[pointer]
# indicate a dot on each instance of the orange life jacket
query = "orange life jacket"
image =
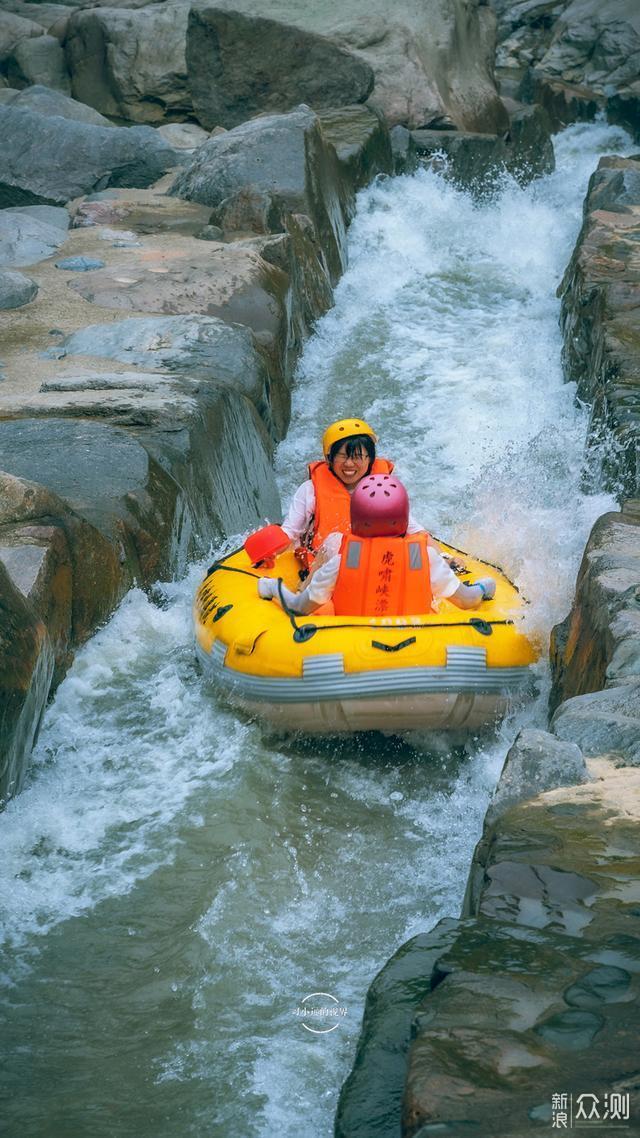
(383, 576)
(333, 501)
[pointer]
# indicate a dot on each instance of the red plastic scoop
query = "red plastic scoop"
(263, 546)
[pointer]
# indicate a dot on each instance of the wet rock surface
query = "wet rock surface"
(107, 477)
(540, 992)
(371, 1098)
(598, 645)
(536, 761)
(59, 578)
(600, 318)
(576, 57)
(476, 160)
(534, 991)
(26, 670)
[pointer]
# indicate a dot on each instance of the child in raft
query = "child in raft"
(358, 579)
(321, 505)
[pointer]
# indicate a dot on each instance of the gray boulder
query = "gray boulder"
(615, 186)
(241, 64)
(131, 63)
(469, 159)
(266, 155)
(14, 29)
(107, 478)
(600, 310)
(46, 101)
(525, 151)
(39, 60)
(16, 290)
(64, 567)
(530, 152)
(432, 63)
(576, 57)
(403, 149)
(598, 644)
(267, 168)
(183, 135)
(596, 45)
(41, 165)
(603, 722)
(45, 14)
(50, 214)
(25, 240)
(361, 140)
(536, 761)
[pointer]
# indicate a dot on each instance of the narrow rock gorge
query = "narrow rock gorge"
(218, 228)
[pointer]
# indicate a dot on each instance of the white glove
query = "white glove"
(489, 587)
(268, 588)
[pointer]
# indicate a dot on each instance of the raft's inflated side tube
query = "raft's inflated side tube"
(330, 674)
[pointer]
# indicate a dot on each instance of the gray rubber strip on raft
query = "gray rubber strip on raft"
(324, 678)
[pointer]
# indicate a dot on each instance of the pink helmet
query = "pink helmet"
(379, 507)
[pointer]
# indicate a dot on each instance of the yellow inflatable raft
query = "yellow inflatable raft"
(331, 674)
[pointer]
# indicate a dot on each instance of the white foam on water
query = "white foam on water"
(445, 336)
(128, 741)
(323, 861)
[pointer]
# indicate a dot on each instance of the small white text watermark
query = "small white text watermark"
(320, 1012)
(570, 1112)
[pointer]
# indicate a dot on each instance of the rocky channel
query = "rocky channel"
(175, 193)
(471, 1025)
(159, 275)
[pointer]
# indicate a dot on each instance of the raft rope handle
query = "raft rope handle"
(222, 611)
(286, 607)
(378, 627)
(393, 647)
(230, 569)
(397, 627)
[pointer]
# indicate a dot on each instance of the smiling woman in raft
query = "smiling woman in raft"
(378, 567)
(322, 504)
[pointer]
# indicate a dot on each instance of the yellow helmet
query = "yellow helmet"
(343, 429)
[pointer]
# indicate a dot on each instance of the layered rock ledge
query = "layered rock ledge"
(575, 57)
(535, 990)
(147, 356)
(225, 62)
(601, 319)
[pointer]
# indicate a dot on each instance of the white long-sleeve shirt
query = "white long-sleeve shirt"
(319, 586)
(303, 508)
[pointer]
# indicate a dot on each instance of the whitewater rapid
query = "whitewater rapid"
(175, 880)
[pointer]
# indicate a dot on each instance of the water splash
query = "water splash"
(239, 871)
